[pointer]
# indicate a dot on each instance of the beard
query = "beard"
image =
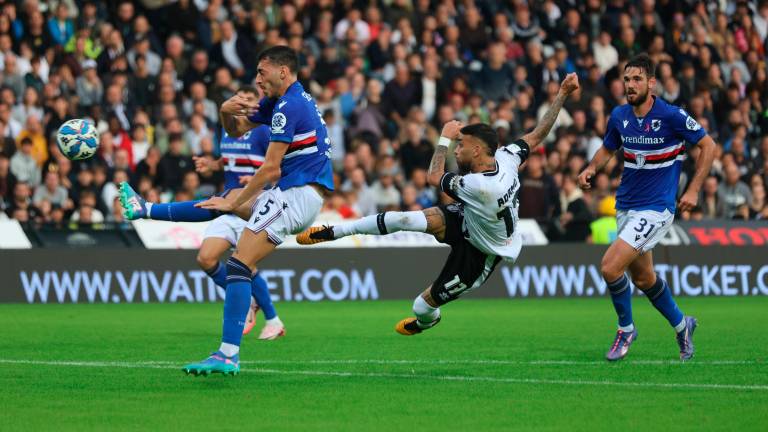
(640, 98)
(464, 167)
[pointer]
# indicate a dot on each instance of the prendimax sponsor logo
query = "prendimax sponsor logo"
(194, 286)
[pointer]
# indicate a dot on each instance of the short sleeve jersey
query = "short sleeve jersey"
(654, 148)
(295, 120)
(490, 202)
(242, 156)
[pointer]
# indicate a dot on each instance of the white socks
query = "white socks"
(274, 321)
(680, 327)
(383, 223)
(228, 349)
(426, 315)
(627, 329)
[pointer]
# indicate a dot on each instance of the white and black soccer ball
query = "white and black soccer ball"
(78, 139)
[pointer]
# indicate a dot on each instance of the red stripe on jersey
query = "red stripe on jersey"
(246, 162)
(303, 143)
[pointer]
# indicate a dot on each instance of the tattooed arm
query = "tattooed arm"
(568, 86)
(437, 166)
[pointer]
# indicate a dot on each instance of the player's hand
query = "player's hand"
(239, 106)
(204, 164)
(570, 84)
(585, 177)
(216, 203)
(452, 129)
(688, 201)
(243, 180)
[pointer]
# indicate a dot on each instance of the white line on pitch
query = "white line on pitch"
(165, 365)
(493, 362)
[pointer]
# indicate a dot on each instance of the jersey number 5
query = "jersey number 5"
(509, 221)
(266, 207)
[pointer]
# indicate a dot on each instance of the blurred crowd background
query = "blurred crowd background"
(386, 75)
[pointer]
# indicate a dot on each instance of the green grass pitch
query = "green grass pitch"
(490, 365)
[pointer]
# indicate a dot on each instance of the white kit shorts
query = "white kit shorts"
(284, 212)
(643, 229)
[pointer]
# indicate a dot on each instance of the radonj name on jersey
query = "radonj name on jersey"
(641, 140)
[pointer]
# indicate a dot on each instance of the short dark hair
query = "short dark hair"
(248, 89)
(484, 133)
(281, 55)
(644, 62)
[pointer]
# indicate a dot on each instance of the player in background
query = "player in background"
(479, 228)
(297, 163)
(655, 137)
(240, 157)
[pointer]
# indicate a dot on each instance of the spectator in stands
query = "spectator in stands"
(198, 93)
(385, 193)
(141, 47)
(710, 61)
(735, 192)
(7, 182)
(234, 52)
(575, 217)
(174, 164)
(538, 192)
(53, 192)
(10, 128)
(198, 70)
(415, 150)
(24, 165)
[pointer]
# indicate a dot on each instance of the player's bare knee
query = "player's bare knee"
(435, 221)
(206, 260)
(610, 270)
(644, 281)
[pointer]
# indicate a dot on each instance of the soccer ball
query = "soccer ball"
(78, 139)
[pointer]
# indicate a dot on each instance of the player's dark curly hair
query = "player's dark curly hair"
(281, 55)
(484, 133)
(644, 62)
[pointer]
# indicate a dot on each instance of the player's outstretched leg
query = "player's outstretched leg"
(427, 316)
(136, 207)
(660, 296)
(378, 224)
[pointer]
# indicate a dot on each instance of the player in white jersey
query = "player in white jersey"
(479, 227)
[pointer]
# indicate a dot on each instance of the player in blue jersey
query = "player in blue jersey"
(654, 137)
(297, 163)
(240, 158)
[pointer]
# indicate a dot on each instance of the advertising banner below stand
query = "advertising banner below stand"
(368, 274)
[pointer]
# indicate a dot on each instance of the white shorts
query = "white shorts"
(281, 213)
(228, 227)
(642, 229)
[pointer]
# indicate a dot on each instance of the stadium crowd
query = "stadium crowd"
(386, 74)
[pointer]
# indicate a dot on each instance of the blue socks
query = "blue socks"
(661, 297)
(218, 274)
(184, 211)
(236, 302)
(259, 289)
(260, 292)
(621, 295)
